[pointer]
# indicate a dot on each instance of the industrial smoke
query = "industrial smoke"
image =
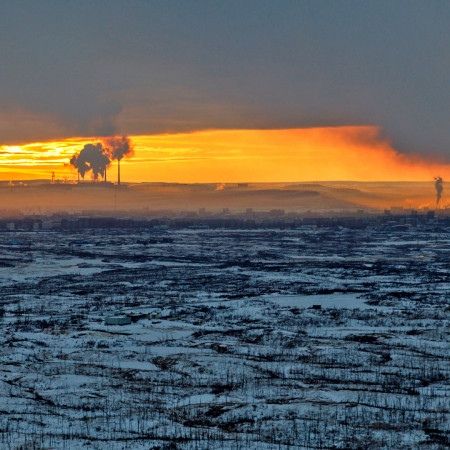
(118, 148)
(98, 157)
(439, 188)
(91, 157)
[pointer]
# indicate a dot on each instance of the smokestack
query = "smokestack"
(118, 148)
(439, 188)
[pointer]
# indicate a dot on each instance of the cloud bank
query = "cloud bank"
(104, 68)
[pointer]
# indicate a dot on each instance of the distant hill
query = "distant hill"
(37, 196)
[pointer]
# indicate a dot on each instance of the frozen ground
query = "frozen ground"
(240, 339)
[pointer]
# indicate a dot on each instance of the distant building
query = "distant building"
(117, 320)
(397, 210)
(276, 212)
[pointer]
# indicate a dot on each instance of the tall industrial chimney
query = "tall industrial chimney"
(118, 148)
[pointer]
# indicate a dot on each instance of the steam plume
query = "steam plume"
(93, 157)
(439, 188)
(118, 148)
(79, 164)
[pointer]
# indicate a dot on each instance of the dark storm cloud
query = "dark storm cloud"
(100, 68)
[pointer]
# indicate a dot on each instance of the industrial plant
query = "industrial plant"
(97, 158)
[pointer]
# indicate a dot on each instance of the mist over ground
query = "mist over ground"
(36, 197)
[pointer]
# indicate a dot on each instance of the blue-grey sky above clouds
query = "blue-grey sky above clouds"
(79, 68)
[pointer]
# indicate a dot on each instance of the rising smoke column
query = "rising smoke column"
(118, 148)
(92, 157)
(80, 165)
(439, 188)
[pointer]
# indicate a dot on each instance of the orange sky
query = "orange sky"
(313, 154)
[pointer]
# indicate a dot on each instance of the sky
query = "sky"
(74, 71)
(233, 156)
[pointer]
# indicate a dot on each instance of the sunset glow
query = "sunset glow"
(313, 154)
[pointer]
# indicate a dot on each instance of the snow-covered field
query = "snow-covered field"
(239, 339)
